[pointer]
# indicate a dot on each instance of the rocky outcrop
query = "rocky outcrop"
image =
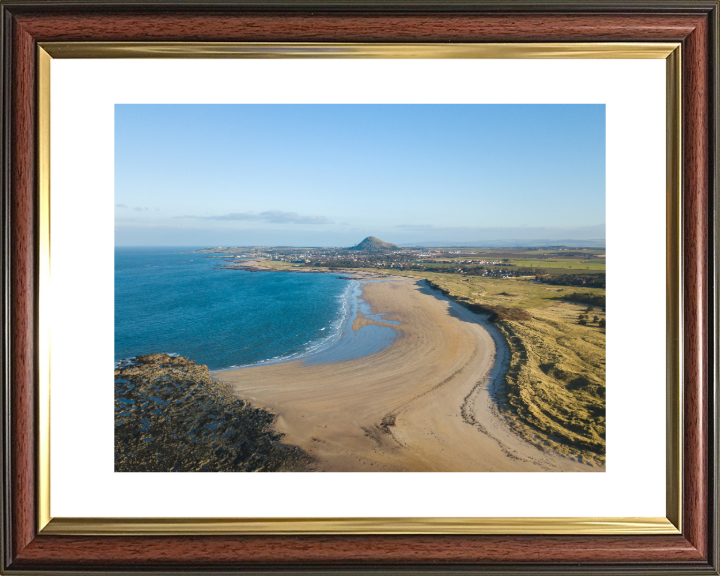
(172, 416)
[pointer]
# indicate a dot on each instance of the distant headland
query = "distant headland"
(372, 244)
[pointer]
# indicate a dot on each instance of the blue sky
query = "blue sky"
(330, 175)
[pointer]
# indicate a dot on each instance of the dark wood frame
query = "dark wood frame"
(694, 23)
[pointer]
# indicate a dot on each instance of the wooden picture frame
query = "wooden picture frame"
(30, 548)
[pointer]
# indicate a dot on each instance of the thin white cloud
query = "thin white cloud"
(272, 216)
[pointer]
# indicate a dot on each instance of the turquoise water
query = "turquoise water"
(168, 300)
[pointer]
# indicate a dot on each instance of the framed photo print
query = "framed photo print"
(359, 287)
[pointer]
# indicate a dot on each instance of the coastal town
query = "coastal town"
(567, 265)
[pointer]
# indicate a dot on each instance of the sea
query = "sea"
(175, 301)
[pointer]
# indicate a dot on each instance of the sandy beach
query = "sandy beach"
(423, 403)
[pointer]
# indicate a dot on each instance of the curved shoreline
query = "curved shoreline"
(423, 403)
(342, 342)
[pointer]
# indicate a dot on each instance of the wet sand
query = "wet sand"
(424, 403)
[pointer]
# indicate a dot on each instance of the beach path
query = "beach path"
(423, 403)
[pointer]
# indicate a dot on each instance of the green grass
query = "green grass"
(555, 265)
(509, 292)
(571, 264)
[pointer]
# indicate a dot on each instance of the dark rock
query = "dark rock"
(172, 416)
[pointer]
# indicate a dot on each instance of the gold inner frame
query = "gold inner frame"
(671, 524)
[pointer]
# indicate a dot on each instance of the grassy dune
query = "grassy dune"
(554, 392)
(555, 385)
